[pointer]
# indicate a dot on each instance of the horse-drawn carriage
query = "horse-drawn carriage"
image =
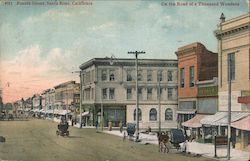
(62, 129)
(170, 140)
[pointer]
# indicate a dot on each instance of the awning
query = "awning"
(242, 124)
(194, 122)
(186, 112)
(63, 112)
(221, 118)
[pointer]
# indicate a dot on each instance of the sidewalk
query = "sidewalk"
(206, 150)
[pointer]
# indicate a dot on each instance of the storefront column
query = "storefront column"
(219, 130)
(242, 139)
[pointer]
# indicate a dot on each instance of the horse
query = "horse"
(163, 139)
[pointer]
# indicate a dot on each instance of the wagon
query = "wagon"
(63, 129)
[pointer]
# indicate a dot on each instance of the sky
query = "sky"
(41, 45)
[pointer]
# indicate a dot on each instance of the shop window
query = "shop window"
(169, 114)
(139, 114)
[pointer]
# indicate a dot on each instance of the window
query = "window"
(111, 75)
(129, 93)
(149, 96)
(83, 80)
(231, 57)
(87, 92)
(170, 93)
(149, 75)
(129, 75)
(140, 93)
(104, 75)
(111, 93)
(191, 76)
(159, 76)
(87, 77)
(182, 77)
(153, 114)
(139, 75)
(161, 90)
(104, 93)
(168, 114)
(139, 114)
(170, 75)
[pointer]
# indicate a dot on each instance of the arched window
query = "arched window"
(139, 113)
(153, 114)
(168, 114)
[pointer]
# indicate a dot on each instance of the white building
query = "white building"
(111, 85)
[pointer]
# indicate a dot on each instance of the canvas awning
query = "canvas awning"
(194, 122)
(242, 124)
(221, 118)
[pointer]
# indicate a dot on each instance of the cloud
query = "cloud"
(30, 72)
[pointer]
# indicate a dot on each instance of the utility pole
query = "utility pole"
(229, 107)
(159, 104)
(80, 74)
(136, 53)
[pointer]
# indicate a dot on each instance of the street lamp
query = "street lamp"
(136, 53)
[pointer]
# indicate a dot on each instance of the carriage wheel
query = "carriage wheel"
(67, 133)
(57, 132)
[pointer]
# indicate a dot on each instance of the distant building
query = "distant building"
(64, 95)
(37, 102)
(110, 84)
(195, 64)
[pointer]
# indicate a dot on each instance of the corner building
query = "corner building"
(110, 84)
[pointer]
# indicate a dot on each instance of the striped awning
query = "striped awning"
(221, 118)
(194, 122)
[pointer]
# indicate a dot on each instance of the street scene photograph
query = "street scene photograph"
(124, 80)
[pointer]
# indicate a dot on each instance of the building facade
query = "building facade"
(109, 86)
(234, 53)
(64, 95)
(195, 63)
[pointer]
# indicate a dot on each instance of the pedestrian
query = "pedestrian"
(121, 126)
(96, 125)
(110, 125)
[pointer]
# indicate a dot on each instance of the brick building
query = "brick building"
(195, 63)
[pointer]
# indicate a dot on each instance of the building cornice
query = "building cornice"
(129, 62)
(234, 30)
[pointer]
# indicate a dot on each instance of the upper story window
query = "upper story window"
(159, 95)
(111, 75)
(170, 75)
(191, 76)
(129, 75)
(159, 75)
(149, 75)
(87, 77)
(140, 93)
(170, 93)
(104, 75)
(149, 92)
(231, 65)
(182, 73)
(87, 94)
(83, 78)
(129, 93)
(139, 75)
(111, 93)
(104, 93)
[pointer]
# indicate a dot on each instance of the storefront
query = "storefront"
(242, 132)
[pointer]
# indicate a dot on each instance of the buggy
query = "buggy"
(63, 129)
(131, 129)
(177, 137)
